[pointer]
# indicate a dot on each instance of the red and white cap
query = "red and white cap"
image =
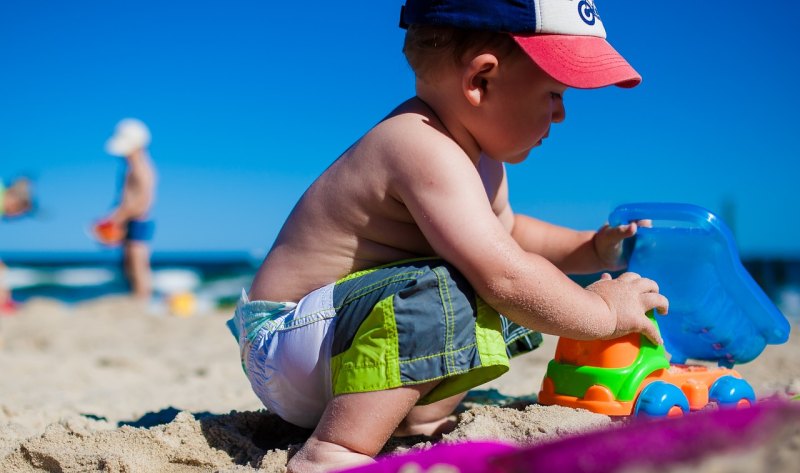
(566, 38)
(570, 45)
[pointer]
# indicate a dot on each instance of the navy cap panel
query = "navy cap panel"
(512, 16)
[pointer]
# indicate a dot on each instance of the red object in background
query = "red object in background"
(8, 307)
(108, 233)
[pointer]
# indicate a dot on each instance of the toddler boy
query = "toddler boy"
(391, 270)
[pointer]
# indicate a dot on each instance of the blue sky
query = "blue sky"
(248, 101)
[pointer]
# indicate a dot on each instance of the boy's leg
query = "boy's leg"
(456, 344)
(137, 267)
(354, 428)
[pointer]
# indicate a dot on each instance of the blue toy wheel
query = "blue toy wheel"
(727, 391)
(658, 398)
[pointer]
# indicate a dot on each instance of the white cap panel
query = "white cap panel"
(568, 17)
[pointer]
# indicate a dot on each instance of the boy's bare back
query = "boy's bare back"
(354, 216)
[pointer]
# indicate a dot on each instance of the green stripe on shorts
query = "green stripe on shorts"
(411, 323)
(372, 364)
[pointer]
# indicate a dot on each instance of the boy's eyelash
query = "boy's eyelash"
(555, 95)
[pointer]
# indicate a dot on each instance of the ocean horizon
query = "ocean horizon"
(111, 255)
(214, 277)
(218, 277)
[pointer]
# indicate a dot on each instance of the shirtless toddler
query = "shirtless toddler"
(379, 303)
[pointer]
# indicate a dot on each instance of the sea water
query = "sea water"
(75, 277)
(220, 276)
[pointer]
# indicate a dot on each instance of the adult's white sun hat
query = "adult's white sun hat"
(130, 135)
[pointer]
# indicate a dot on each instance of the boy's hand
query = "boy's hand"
(628, 298)
(608, 243)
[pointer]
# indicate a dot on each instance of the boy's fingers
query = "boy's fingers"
(645, 223)
(624, 231)
(652, 300)
(663, 305)
(631, 230)
(651, 333)
(629, 276)
(646, 285)
(605, 277)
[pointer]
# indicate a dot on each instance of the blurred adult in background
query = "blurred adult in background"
(129, 220)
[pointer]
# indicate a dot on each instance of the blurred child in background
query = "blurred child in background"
(16, 200)
(129, 221)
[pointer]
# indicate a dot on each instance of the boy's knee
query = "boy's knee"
(430, 428)
(432, 419)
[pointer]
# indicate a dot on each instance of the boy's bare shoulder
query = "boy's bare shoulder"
(409, 137)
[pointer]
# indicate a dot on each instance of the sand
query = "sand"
(104, 386)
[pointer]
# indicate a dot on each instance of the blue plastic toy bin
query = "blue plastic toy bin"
(717, 312)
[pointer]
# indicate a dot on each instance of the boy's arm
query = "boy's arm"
(443, 192)
(571, 251)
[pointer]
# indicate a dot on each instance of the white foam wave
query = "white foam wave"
(226, 287)
(82, 277)
(172, 281)
(789, 301)
(18, 278)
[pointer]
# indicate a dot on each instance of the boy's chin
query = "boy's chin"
(510, 158)
(518, 158)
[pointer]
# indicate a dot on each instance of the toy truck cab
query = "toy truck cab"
(717, 313)
(631, 375)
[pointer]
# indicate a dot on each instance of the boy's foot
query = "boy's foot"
(317, 456)
(351, 431)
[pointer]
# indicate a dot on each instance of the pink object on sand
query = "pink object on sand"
(650, 444)
(469, 457)
(643, 443)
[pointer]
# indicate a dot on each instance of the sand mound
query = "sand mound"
(104, 386)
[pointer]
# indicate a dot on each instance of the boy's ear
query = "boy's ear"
(477, 74)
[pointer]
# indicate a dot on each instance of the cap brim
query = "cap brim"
(582, 62)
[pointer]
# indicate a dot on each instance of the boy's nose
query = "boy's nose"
(559, 112)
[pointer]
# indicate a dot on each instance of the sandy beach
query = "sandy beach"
(104, 386)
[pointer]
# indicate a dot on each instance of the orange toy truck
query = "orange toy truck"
(717, 313)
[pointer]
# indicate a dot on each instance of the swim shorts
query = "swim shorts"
(140, 230)
(398, 325)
